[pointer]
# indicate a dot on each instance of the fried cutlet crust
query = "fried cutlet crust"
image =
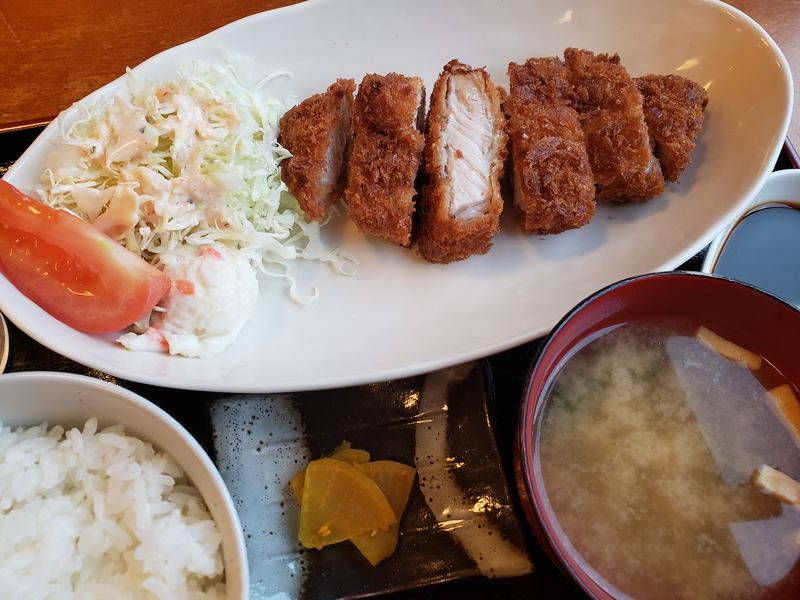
(316, 132)
(380, 184)
(674, 110)
(617, 138)
(541, 81)
(386, 153)
(384, 103)
(443, 238)
(553, 181)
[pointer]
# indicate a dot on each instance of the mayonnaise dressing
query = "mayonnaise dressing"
(212, 296)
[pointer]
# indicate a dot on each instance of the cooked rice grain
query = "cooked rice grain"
(87, 514)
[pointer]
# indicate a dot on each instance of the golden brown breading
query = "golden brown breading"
(618, 142)
(391, 104)
(316, 132)
(541, 80)
(553, 182)
(380, 184)
(386, 154)
(453, 228)
(673, 109)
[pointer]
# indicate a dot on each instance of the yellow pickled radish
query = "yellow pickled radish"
(345, 445)
(395, 480)
(351, 455)
(296, 483)
(342, 452)
(340, 502)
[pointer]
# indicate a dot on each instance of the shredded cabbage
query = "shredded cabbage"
(168, 167)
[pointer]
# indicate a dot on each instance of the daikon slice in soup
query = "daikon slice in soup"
(668, 457)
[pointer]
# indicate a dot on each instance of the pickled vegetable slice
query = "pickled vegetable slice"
(352, 455)
(395, 480)
(345, 445)
(343, 452)
(296, 483)
(340, 502)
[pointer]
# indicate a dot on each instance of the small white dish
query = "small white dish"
(31, 398)
(400, 315)
(782, 189)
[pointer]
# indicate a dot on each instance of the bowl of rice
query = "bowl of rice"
(104, 495)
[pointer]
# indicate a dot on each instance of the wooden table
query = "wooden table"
(53, 52)
(781, 19)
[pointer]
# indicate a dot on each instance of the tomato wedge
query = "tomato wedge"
(73, 271)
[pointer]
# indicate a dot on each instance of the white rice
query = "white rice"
(101, 515)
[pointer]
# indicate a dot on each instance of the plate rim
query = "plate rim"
(417, 367)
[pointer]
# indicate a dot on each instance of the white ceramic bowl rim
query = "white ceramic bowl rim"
(234, 552)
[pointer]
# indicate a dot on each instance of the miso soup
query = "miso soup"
(647, 451)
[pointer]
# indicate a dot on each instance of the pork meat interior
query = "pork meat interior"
(464, 158)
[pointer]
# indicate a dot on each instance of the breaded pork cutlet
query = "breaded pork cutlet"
(386, 152)
(673, 109)
(617, 139)
(553, 182)
(465, 149)
(316, 132)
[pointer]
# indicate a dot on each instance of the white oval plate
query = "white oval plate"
(400, 315)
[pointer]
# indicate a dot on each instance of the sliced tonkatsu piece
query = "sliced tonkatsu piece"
(316, 132)
(390, 104)
(553, 182)
(617, 139)
(465, 151)
(541, 80)
(386, 152)
(673, 109)
(380, 185)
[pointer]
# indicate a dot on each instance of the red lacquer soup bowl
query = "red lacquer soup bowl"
(747, 315)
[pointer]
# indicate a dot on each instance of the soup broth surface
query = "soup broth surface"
(647, 450)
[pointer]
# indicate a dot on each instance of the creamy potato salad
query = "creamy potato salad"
(186, 174)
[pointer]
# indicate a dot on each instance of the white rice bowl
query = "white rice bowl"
(88, 514)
